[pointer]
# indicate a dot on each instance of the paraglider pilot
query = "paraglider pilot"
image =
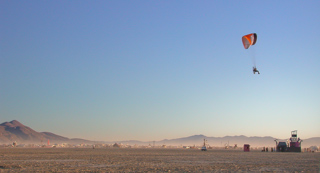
(255, 70)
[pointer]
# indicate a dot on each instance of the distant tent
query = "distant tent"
(313, 148)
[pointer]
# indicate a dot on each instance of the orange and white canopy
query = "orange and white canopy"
(249, 40)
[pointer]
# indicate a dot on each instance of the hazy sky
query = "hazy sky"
(150, 70)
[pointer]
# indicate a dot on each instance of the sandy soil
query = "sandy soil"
(153, 160)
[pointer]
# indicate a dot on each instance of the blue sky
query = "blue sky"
(150, 70)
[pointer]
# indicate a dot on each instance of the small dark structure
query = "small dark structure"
(281, 147)
(246, 147)
(116, 145)
(14, 144)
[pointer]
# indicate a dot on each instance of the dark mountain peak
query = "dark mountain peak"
(16, 123)
(197, 136)
(194, 137)
(201, 135)
(13, 123)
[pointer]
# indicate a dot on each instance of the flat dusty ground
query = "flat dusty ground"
(153, 160)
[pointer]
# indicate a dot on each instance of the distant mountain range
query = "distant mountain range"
(15, 131)
(230, 141)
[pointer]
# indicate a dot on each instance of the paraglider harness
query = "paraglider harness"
(255, 70)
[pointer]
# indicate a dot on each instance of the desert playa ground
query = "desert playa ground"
(153, 160)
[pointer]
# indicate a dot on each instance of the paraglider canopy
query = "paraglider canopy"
(249, 40)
